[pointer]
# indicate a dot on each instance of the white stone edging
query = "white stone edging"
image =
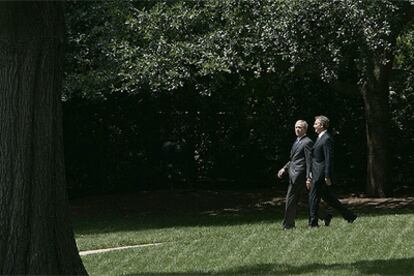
(96, 251)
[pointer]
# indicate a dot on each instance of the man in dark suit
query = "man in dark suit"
(320, 184)
(298, 169)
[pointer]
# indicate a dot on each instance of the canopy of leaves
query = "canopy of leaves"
(162, 45)
(254, 64)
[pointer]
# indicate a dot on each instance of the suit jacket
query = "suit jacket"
(322, 158)
(299, 165)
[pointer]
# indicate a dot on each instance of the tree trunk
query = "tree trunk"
(35, 233)
(375, 94)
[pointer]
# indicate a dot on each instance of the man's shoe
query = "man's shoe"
(313, 226)
(327, 219)
(352, 218)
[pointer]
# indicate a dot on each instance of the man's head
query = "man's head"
(301, 127)
(321, 123)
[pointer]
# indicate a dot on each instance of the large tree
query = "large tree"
(358, 42)
(35, 233)
(348, 44)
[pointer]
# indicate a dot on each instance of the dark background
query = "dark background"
(234, 132)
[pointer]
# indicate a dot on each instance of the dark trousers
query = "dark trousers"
(295, 191)
(294, 194)
(321, 190)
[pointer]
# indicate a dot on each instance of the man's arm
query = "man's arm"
(282, 171)
(328, 152)
(308, 161)
(308, 158)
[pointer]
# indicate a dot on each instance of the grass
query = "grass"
(377, 243)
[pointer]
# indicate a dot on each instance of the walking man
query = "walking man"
(320, 183)
(298, 169)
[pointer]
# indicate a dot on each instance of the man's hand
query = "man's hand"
(328, 181)
(281, 173)
(309, 184)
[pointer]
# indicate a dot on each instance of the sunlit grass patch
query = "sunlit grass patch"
(253, 244)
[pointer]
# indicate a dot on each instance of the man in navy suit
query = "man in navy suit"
(320, 184)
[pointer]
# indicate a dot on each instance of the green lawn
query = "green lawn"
(377, 243)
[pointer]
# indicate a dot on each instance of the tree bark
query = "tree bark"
(35, 232)
(375, 93)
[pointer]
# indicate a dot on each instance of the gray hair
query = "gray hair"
(324, 121)
(304, 123)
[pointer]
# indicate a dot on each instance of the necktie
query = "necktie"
(296, 143)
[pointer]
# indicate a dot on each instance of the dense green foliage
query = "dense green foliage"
(222, 82)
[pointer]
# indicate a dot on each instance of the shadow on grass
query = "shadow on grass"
(403, 266)
(158, 221)
(137, 222)
(157, 210)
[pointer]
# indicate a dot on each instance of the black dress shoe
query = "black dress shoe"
(327, 219)
(352, 218)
